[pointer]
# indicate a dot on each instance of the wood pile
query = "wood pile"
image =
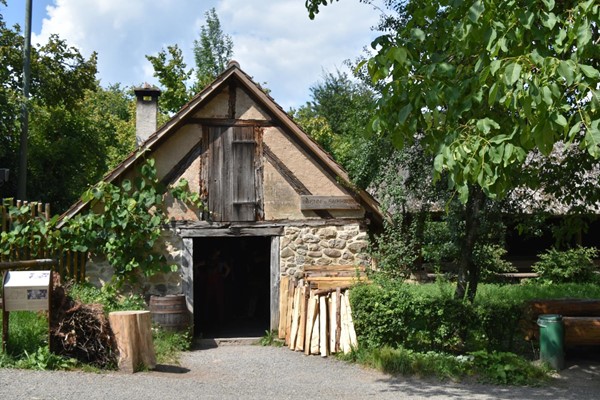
(80, 331)
(314, 312)
(333, 276)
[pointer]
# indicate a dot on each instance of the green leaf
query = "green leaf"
(589, 71)
(547, 95)
(550, 20)
(559, 119)
(584, 33)
(404, 113)
(493, 94)
(549, 4)
(463, 193)
(476, 10)
(418, 34)
(485, 125)
(495, 66)
(126, 185)
(512, 73)
(566, 71)
(398, 54)
(438, 163)
(592, 139)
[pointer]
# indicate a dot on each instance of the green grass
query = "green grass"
(28, 334)
(495, 367)
(169, 345)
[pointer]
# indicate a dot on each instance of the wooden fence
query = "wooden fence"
(69, 264)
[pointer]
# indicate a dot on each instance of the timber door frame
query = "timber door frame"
(187, 265)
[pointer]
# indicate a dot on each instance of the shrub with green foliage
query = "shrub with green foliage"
(108, 296)
(427, 318)
(573, 265)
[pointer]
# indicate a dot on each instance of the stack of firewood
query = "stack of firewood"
(315, 315)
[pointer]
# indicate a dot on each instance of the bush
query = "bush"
(427, 318)
(108, 296)
(574, 265)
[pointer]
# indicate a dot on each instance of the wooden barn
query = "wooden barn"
(277, 202)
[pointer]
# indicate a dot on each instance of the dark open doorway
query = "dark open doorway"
(231, 286)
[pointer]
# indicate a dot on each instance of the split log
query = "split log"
(295, 319)
(290, 305)
(302, 325)
(323, 339)
(310, 322)
(283, 301)
(338, 319)
(331, 303)
(351, 331)
(133, 334)
(314, 340)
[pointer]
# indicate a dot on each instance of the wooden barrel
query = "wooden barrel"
(170, 312)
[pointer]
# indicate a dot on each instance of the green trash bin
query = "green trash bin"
(552, 334)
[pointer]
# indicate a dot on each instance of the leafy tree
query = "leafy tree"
(337, 117)
(77, 129)
(213, 51)
(170, 69)
(487, 83)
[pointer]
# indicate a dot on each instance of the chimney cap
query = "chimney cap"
(146, 90)
(232, 64)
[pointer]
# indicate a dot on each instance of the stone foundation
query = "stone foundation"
(331, 245)
(99, 271)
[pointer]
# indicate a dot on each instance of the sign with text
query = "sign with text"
(27, 290)
(328, 203)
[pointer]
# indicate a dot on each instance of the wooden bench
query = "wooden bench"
(581, 319)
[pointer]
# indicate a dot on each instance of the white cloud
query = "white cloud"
(274, 40)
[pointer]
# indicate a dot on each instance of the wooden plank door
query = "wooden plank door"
(232, 183)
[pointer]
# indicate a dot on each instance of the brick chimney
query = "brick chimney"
(146, 112)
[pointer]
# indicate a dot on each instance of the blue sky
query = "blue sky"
(274, 40)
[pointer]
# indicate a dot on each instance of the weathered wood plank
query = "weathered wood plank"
(302, 325)
(231, 122)
(274, 280)
(320, 268)
(309, 202)
(310, 322)
(295, 318)
(323, 338)
(331, 309)
(289, 312)
(283, 302)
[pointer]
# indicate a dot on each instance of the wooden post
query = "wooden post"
(133, 334)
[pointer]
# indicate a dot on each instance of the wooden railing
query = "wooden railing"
(69, 264)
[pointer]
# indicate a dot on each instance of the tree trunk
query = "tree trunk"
(468, 272)
(133, 334)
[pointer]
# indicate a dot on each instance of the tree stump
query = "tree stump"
(133, 335)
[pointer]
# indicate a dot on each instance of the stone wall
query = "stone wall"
(330, 245)
(99, 271)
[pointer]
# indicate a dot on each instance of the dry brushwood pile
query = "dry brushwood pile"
(80, 331)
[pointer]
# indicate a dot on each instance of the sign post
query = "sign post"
(26, 291)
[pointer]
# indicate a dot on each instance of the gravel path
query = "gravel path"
(254, 372)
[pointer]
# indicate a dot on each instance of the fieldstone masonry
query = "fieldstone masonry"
(331, 245)
(99, 271)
